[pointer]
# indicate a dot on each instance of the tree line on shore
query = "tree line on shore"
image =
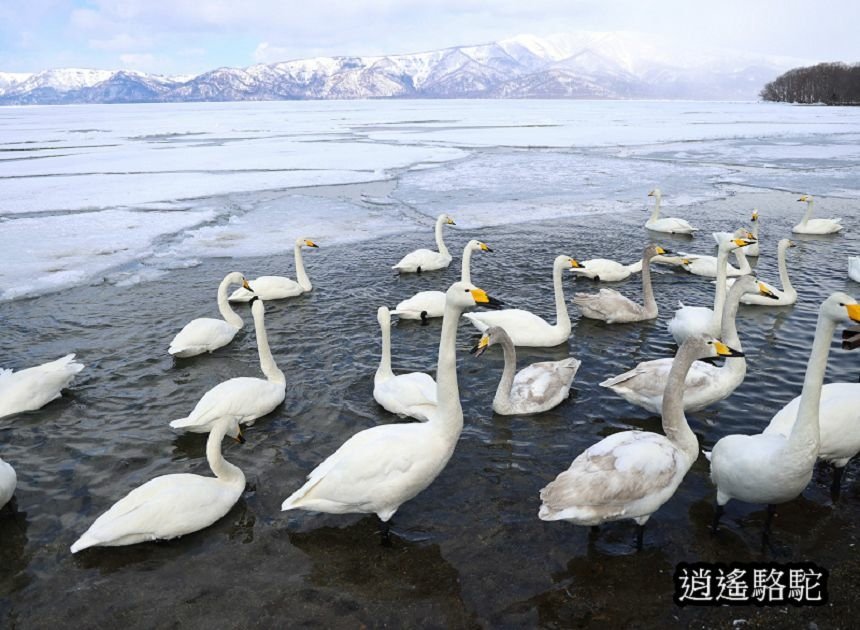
(827, 83)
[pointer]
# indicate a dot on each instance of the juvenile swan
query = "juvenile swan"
(632, 473)
(535, 388)
(172, 505)
(378, 469)
(279, 287)
(206, 334)
(426, 259)
(33, 388)
(808, 225)
(670, 225)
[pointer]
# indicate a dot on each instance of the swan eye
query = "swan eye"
(467, 290)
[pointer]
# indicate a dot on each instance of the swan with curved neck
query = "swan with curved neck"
(706, 384)
(536, 388)
(428, 304)
(378, 469)
(279, 287)
(8, 482)
(427, 259)
(527, 329)
(412, 394)
(33, 388)
(808, 225)
(697, 320)
(244, 398)
(172, 505)
(206, 334)
(669, 225)
(614, 308)
(630, 474)
(773, 468)
(784, 297)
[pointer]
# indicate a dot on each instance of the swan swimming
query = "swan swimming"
(412, 394)
(172, 505)
(631, 474)
(536, 388)
(244, 398)
(669, 225)
(378, 469)
(428, 304)
(808, 225)
(206, 334)
(426, 259)
(854, 268)
(708, 266)
(33, 388)
(785, 297)
(279, 287)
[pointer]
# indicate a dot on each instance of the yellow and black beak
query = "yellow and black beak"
(651, 194)
(686, 261)
(246, 286)
(451, 221)
(743, 242)
(724, 351)
(754, 215)
(767, 292)
(483, 344)
(239, 437)
(575, 264)
(803, 198)
(663, 252)
(485, 248)
(853, 311)
(310, 243)
(481, 298)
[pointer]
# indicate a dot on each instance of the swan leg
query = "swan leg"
(424, 320)
(640, 531)
(718, 513)
(836, 486)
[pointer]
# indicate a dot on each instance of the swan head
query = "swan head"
(655, 250)
(233, 430)
(754, 215)
(707, 347)
(237, 277)
(655, 193)
(806, 198)
(478, 246)
(447, 219)
(491, 336)
(566, 261)
(463, 295)
(841, 307)
(306, 242)
(731, 244)
(785, 243)
(383, 315)
(750, 284)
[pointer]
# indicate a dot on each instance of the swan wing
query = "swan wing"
(430, 302)
(244, 398)
(608, 305)
(34, 387)
(203, 334)
(522, 326)
(541, 382)
(645, 384)
(425, 259)
(268, 288)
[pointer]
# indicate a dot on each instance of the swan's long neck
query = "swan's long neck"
(743, 263)
(562, 317)
(755, 229)
(503, 391)
(221, 468)
(808, 214)
(655, 213)
(783, 269)
(805, 437)
(267, 361)
(440, 243)
(729, 327)
(674, 421)
(466, 267)
(224, 308)
(383, 372)
(720, 295)
(449, 416)
(301, 274)
(647, 290)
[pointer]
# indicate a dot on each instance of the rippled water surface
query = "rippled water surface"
(469, 550)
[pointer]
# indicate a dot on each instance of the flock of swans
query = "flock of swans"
(628, 475)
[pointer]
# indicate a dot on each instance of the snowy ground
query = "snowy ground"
(124, 193)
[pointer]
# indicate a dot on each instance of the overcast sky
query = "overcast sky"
(190, 36)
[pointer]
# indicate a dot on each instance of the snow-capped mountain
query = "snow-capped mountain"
(575, 65)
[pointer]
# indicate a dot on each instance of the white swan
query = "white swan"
(854, 268)
(244, 398)
(206, 334)
(426, 259)
(670, 225)
(632, 473)
(705, 384)
(33, 388)
(707, 266)
(527, 329)
(753, 250)
(770, 467)
(8, 482)
(378, 469)
(412, 394)
(427, 304)
(808, 225)
(172, 505)
(785, 297)
(279, 287)
(614, 308)
(605, 270)
(536, 388)
(697, 320)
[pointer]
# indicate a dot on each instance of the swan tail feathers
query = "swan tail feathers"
(180, 423)
(294, 501)
(69, 364)
(84, 542)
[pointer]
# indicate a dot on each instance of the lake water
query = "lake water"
(117, 223)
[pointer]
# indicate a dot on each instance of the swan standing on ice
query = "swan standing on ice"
(426, 259)
(527, 329)
(172, 505)
(536, 388)
(33, 388)
(427, 304)
(854, 268)
(705, 383)
(670, 225)
(412, 394)
(771, 467)
(243, 398)
(614, 308)
(697, 320)
(378, 469)
(808, 225)
(8, 482)
(632, 473)
(785, 297)
(206, 334)
(279, 287)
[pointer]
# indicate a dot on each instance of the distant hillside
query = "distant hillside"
(827, 83)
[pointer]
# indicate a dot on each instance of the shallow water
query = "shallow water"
(469, 550)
